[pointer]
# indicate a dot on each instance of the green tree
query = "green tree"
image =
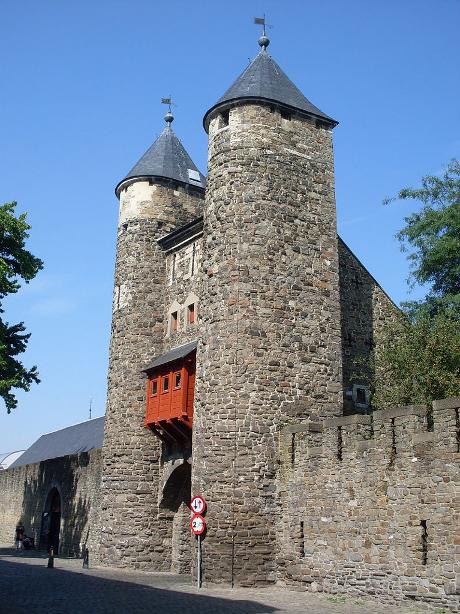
(16, 263)
(418, 355)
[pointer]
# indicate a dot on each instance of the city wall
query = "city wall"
(24, 492)
(371, 505)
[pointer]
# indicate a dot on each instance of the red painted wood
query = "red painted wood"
(177, 402)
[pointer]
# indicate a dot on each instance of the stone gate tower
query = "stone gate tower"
(163, 191)
(271, 350)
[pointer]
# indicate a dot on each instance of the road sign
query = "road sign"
(197, 524)
(198, 505)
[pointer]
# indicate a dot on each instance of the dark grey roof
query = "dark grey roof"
(181, 235)
(81, 437)
(175, 354)
(263, 80)
(166, 159)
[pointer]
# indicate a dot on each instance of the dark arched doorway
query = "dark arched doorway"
(51, 521)
(174, 509)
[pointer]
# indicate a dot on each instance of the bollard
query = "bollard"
(51, 558)
(86, 559)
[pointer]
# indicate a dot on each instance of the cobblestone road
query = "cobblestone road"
(28, 587)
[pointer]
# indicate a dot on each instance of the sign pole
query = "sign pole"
(198, 563)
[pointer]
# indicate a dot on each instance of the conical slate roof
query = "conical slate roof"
(166, 159)
(264, 80)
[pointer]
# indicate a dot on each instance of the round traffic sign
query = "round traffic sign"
(198, 505)
(198, 524)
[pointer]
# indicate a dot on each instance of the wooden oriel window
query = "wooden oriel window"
(177, 380)
(154, 388)
(165, 384)
(174, 319)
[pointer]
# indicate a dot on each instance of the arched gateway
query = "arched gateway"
(51, 521)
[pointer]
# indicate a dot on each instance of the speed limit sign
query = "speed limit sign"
(197, 524)
(198, 505)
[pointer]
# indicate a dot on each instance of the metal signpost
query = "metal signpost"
(198, 526)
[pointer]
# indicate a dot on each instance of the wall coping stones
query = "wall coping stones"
(348, 420)
(450, 403)
(400, 412)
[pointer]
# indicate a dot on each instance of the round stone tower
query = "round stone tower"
(271, 337)
(164, 190)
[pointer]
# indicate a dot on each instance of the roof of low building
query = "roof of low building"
(175, 354)
(264, 81)
(8, 458)
(166, 159)
(75, 439)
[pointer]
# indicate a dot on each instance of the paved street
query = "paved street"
(28, 587)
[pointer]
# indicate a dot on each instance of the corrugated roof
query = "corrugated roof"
(166, 159)
(264, 80)
(175, 354)
(81, 437)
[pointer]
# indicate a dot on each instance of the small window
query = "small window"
(361, 396)
(177, 380)
(174, 321)
(285, 114)
(154, 388)
(191, 314)
(224, 118)
(166, 384)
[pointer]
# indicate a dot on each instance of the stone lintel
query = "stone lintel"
(348, 420)
(309, 427)
(450, 403)
(400, 412)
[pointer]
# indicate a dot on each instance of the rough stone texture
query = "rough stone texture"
(24, 493)
(365, 309)
(355, 491)
(136, 522)
(270, 346)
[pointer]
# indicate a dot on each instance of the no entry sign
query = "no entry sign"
(198, 505)
(197, 524)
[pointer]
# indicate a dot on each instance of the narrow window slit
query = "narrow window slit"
(424, 542)
(457, 427)
(302, 541)
(339, 443)
(393, 442)
(293, 449)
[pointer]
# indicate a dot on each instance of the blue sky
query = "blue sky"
(80, 104)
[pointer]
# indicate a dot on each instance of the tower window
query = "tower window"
(174, 321)
(191, 314)
(166, 384)
(154, 388)
(177, 380)
(361, 396)
(224, 118)
(285, 114)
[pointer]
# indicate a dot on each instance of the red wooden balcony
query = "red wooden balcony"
(170, 393)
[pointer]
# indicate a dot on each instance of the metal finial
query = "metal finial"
(169, 117)
(264, 41)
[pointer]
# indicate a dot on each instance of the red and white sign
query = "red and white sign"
(198, 524)
(198, 505)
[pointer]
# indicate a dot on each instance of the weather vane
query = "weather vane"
(264, 41)
(169, 117)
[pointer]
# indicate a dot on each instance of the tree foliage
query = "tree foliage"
(16, 263)
(418, 356)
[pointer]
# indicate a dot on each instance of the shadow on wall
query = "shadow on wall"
(51, 504)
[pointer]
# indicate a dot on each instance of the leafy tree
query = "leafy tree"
(418, 356)
(15, 263)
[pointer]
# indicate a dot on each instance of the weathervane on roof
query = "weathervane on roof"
(264, 41)
(169, 117)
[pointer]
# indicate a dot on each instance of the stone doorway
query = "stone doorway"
(174, 508)
(51, 522)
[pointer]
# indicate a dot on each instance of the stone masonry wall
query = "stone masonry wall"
(271, 349)
(372, 505)
(24, 491)
(133, 532)
(365, 309)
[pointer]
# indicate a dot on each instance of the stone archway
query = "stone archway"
(51, 521)
(174, 508)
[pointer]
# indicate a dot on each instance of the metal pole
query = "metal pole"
(198, 563)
